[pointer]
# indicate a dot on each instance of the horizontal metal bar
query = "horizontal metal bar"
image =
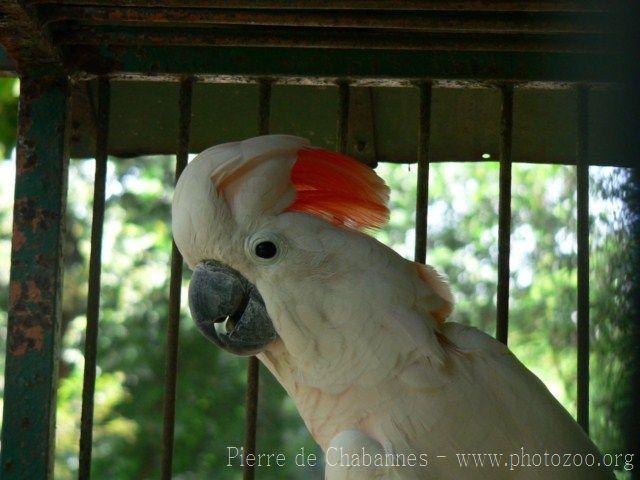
(418, 5)
(352, 64)
(582, 173)
(504, 215)
(95, 269)
(463, 22)
(33, 330)
(229, 36)
(175, 287)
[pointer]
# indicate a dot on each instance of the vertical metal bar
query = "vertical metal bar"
(175, 286)
(251, 415)
(264, 106)
(95, 268)
(33, 331)
(253, 367)
(583, 256)
(422, 198)
(504, 214)
(343, 116)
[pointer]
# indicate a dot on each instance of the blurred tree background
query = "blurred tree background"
(462, 243)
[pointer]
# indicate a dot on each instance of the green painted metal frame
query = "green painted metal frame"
(36, 281)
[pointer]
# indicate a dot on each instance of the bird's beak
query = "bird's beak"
(229, 310)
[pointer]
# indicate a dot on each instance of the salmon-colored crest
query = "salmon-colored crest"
(339, 189)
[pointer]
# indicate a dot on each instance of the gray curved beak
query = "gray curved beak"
(229, 310)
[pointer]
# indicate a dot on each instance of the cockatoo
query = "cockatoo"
(358, 336)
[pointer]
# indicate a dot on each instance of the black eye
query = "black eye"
(266, 250)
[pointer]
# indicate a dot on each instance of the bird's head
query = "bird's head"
(245, 216)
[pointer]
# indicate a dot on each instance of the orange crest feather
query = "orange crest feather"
(339, 189)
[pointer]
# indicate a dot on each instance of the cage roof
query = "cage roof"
(382, 47)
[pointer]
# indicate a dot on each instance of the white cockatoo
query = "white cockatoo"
(357, 335)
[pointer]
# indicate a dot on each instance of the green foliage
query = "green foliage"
(8, 114)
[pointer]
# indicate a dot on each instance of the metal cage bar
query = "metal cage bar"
(504, 214)
(422, 198)
(33, 331)
(253, 366)
(175, 287)
(582, 172)
(343, 116)
(95, 270)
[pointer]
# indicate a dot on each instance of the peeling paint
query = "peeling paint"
(34, 294)
(38, 220)
(25, 163)
(32, 338)
(18, 239)
(16, 290)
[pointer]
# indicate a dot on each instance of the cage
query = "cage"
(417, 81)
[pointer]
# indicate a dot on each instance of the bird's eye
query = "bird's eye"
(266, 249)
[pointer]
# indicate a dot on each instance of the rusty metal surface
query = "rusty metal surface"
(429, 21)
(26, 42)
(342, 38)
(403, 5)
(33, 330)
(504, 214)
(477, 26)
